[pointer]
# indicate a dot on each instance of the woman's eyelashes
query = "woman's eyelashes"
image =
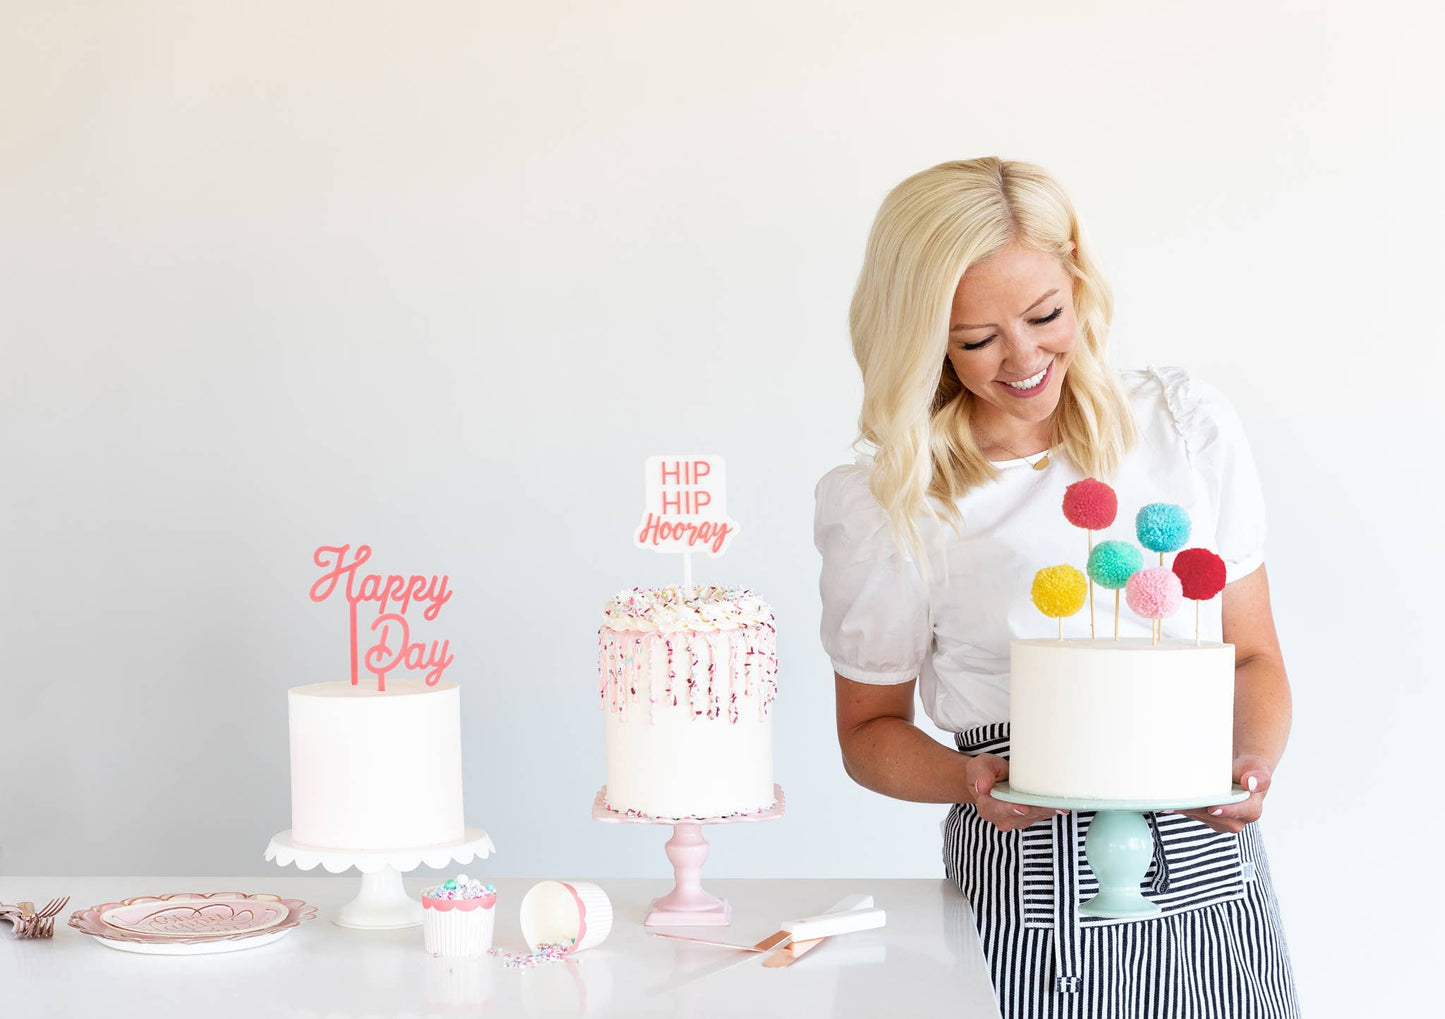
(1033, 321)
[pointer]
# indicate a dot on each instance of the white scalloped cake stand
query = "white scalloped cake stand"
(382, 903)
(687, 905)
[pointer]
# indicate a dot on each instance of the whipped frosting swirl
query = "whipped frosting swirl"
(676, 608)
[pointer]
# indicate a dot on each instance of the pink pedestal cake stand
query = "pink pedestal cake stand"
(687, 905)
(382, 903)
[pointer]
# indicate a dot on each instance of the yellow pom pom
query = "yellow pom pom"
(1059, 591)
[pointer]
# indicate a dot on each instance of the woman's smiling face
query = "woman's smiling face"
(1010, 334)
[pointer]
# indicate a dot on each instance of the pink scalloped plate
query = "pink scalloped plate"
(212, 917)
(188, 922)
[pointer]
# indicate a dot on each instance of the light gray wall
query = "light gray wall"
(439, 276)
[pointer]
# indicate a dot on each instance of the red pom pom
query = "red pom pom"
(1201, 572)
(1090, 504)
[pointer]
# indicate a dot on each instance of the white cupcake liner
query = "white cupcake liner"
(575, 913)
(457, 932)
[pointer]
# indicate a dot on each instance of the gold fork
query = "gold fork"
(27, 922)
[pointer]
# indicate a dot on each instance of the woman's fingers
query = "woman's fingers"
(984, 772)
(1253, 772)
(1229, 817)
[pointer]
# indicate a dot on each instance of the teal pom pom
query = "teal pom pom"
(1112, 563)
(1162, 527)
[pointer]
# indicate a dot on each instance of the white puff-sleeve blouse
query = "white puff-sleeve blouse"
(882, 623)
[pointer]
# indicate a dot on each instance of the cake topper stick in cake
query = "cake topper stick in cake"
(1202, 575)
(1111, 564)
(1154, 593)
(1162, 527)
(394, 595)
(686, 508)
(1092, 505)
(1059, 591)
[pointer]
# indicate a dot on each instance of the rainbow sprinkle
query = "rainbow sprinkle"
(545, 953)
(460, 887)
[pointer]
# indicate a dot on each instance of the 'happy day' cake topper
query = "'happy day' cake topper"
(686, 507)
(394, 594)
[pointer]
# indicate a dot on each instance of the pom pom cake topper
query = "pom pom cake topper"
(1059, 591)
(1201, 576)
(1111, 564)
(1162, 527)
(1154, 593)
(1092, 505)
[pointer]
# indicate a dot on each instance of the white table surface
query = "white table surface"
(926, 961)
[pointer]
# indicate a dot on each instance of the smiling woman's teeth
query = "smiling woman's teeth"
(1031, 381)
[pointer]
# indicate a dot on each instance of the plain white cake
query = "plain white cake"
(687, 677)
(1121, 720)
(372, 770)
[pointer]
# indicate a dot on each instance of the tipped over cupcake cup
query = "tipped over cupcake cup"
(458, 918)
(573, 914)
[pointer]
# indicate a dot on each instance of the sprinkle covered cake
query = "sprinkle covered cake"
(687, 678)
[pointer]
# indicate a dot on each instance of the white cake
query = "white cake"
(687, 677)
(373, 770)
(1121, 720)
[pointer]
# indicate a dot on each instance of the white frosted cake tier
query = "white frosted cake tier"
(687, 712)
(1121, 720)
(373, 770)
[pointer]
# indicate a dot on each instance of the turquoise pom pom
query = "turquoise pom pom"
(1112, 563)
(1162, 527)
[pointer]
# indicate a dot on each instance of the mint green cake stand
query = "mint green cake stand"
(1119, 845)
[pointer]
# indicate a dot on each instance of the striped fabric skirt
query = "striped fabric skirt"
(1216, 950)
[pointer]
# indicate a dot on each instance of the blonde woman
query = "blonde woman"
(979, 322)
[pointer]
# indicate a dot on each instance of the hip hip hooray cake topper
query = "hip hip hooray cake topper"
(394, 595)
(686, 507)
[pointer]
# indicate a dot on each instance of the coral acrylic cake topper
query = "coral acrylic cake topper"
(394, 595)
(686, 507)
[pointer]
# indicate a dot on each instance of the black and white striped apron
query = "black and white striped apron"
(1217, 949)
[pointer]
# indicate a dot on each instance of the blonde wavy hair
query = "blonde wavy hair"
(929, 230)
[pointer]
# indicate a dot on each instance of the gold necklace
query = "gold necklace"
(1042, 463)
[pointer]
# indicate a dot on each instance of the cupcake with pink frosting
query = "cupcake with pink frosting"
(458, 917)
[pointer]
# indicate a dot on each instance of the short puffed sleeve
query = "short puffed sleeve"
(1219, 453)
(876, 626)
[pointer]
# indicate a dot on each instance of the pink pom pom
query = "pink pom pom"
(1090, 504)
(1201, 572)
(1154, 593)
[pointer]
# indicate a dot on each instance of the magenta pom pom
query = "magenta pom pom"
(1154, 593)
(1201, 573)
(1090, 504)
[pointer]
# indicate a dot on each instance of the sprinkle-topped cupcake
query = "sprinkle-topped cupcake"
(459, 917)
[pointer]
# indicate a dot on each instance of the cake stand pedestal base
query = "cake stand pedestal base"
(382, 902)
(688, 904)
(1119, 845)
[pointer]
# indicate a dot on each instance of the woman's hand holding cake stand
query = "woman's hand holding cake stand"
(984, 771)
(1232, 817)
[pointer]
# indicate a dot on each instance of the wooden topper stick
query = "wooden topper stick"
(1196, 622)
(1091, 587)
(1116, 613)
